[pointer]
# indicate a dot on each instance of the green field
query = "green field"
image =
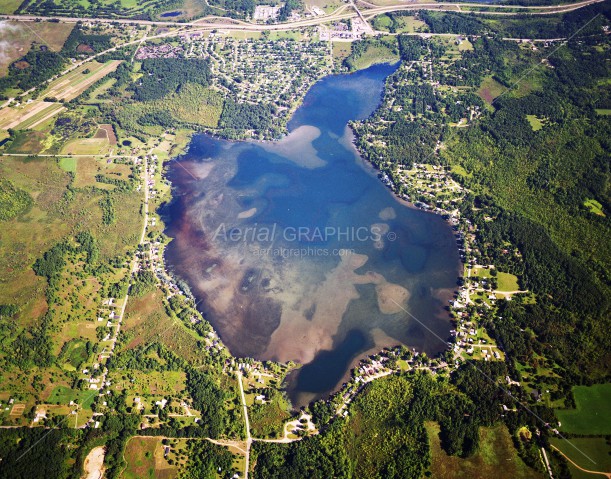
(594, 207)
(597, 450)
(507, 282)
(68, 164)
(378, 52)
(9, 6)
(536, 123)
(496, 457)
(593, 412)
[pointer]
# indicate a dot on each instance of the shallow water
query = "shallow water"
(298, 252)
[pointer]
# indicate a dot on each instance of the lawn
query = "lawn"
(63, 395)
(593, 412)
(597, 450)
(496, 457)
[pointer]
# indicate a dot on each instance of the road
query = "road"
(247, 425)
(230, 24)
(606, 474)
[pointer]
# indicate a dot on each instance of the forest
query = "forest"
(383, 435)
(165, 75)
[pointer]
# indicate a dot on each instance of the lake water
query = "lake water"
(171, 14)
(296, 251)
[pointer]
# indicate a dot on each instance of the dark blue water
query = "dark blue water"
(171, 14)
(298, 252)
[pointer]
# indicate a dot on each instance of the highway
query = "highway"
(342, 13)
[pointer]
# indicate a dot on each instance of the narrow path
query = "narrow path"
(247, 424)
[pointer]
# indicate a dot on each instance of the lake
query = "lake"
(295, 250)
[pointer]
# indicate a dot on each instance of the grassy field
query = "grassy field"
(593, 412)
(9, 6)
(341, 50)
(507, 282)
(87, 168)
(597, 450)
(496, 457)
(86, 146)
(155, 383)
(147, 320)
(382, 53)
(63, 395)
(16, 38)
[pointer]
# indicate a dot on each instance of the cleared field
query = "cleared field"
(490, 89)
(496, 457)
(88, 167)
(536, 123)
(86, 146)
(16, 38)
(63, 395)
(144, 457)
(593, 412)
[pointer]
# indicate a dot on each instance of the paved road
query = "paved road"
(231, 24)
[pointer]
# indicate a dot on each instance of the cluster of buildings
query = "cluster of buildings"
(164, 50)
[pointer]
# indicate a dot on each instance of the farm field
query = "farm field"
(76, 82)
(496, 457)
(593, 412)
(33, 113)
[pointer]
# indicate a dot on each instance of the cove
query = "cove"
(295, 250)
